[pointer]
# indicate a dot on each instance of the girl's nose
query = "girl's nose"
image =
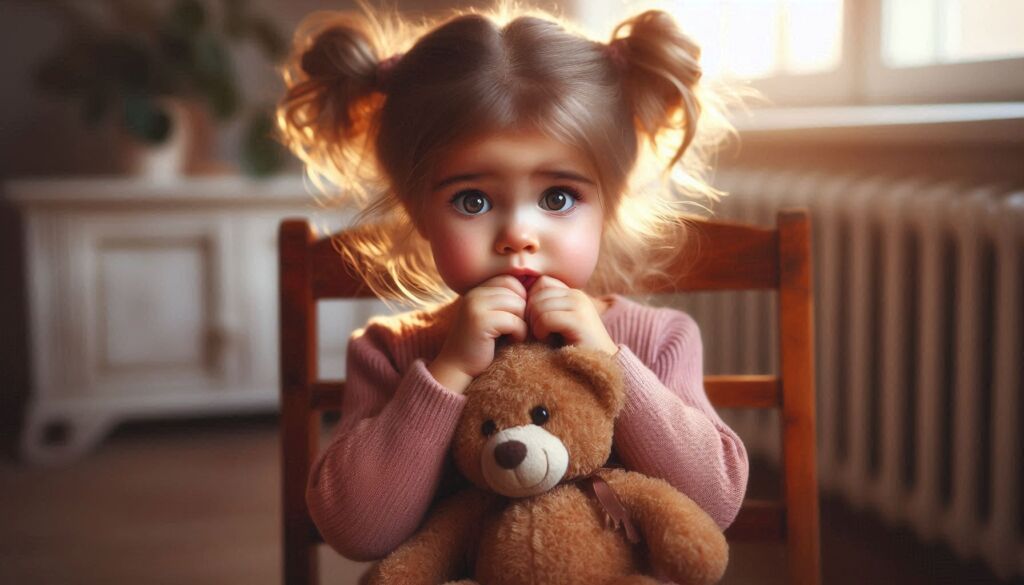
(516, 238)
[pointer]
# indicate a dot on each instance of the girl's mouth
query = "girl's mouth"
(527, 280)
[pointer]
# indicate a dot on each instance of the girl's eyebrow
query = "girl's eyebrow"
(557, 174)
(553, 174)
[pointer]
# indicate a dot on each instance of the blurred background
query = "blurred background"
(142, 189)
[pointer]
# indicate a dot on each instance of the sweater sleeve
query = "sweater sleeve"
(669, 429)
(370, 488)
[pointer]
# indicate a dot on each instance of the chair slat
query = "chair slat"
(332, 277)
(723, 256)
(759, 520)
(743, 391)
(326, 395)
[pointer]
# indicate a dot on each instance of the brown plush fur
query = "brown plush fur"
(560, 536)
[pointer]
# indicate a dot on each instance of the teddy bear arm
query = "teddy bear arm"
(436, 553)
(682, 540)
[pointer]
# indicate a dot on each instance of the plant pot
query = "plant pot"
(186, 150)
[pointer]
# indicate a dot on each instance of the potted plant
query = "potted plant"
(162, 73)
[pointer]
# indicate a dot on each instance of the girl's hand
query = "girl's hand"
(553, 307)
(486, 312)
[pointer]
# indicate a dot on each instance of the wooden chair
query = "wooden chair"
(732, 257)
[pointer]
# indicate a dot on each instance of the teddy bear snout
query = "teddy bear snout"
(510, 454)
(523, 461)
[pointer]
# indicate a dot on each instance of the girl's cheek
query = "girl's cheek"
(457, 257)
(578, 254)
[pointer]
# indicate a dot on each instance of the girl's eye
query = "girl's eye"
(560, 199)
(471, 202)
(539, 415)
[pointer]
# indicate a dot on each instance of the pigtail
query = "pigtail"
(339, 68)
(333, 80)
(660, 76)
(335, 90)
(660, 68)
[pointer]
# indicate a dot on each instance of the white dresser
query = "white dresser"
(157, 300)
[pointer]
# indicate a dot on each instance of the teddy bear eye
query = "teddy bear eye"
(488, 428)
(539, 414)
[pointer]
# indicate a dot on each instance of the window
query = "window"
(836, 52)
(928, 32)
(943, 51)
(763, 38)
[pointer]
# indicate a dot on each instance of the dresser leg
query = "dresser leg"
(52, 438)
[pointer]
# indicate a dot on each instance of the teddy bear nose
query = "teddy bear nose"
(510, 454)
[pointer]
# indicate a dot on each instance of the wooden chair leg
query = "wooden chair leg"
(798, 416)
(300, 423)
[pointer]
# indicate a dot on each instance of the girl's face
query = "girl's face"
(513, 202)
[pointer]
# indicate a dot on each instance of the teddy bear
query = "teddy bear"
(533, 439)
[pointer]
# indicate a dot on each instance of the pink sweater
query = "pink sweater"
(371, 487)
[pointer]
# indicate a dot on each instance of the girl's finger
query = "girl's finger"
(496, 291)
(554, 322)
(549, 292)
(509, 324)
(505, 302)
(547, 282)
(484, 310)
(552, 299)
(484, 295)
(506, 281)
(549, 304)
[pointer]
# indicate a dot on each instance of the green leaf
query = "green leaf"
(145, 119)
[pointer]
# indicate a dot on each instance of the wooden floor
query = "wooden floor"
(198, 503)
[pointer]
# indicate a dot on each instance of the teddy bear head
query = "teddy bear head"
(538, 416)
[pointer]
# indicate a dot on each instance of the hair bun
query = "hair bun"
(337, 51)
(384, 70)
(662, 69)
(617, 52)
(331, 79)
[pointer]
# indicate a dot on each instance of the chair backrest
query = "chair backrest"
(730, 257)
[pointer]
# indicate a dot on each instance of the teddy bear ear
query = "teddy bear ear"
(597, 369)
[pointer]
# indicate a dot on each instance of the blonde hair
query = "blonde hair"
(374, 102)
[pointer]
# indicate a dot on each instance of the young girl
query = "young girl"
(495, 165)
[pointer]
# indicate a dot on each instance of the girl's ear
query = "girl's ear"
(599, 371)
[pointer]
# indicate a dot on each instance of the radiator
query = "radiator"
(919, 293)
